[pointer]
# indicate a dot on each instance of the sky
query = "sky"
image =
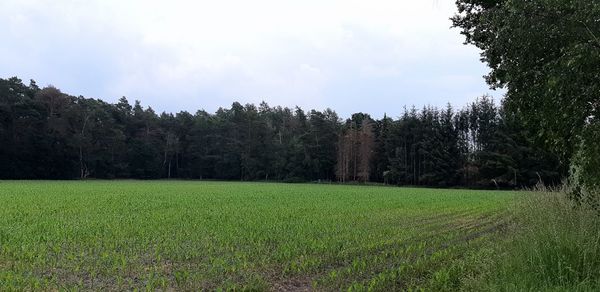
(352, 56)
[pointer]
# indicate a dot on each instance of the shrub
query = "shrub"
(586, 164)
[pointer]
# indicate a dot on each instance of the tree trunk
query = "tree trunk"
(169, 171)
(82, 170)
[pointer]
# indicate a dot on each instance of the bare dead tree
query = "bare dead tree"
(365, 146)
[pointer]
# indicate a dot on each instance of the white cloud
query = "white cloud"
(189, 54)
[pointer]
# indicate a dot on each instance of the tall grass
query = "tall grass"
(555, 247)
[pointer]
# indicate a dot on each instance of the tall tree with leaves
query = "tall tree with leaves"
(546, 53)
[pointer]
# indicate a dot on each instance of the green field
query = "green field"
(180, 235)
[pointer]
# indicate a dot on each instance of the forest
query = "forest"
(47, 134)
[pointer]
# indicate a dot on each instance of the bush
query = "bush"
(586, 163)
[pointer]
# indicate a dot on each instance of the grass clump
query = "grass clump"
(555, 246)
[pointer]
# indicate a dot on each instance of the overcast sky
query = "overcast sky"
(351, 56)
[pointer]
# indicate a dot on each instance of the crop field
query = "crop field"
(183, 235)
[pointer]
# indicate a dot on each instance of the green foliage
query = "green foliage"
(480, 146)
(586, 166)
(546, 53)
(167, 235)
(48, 134)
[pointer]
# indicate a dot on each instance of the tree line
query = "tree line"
(47, 134)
